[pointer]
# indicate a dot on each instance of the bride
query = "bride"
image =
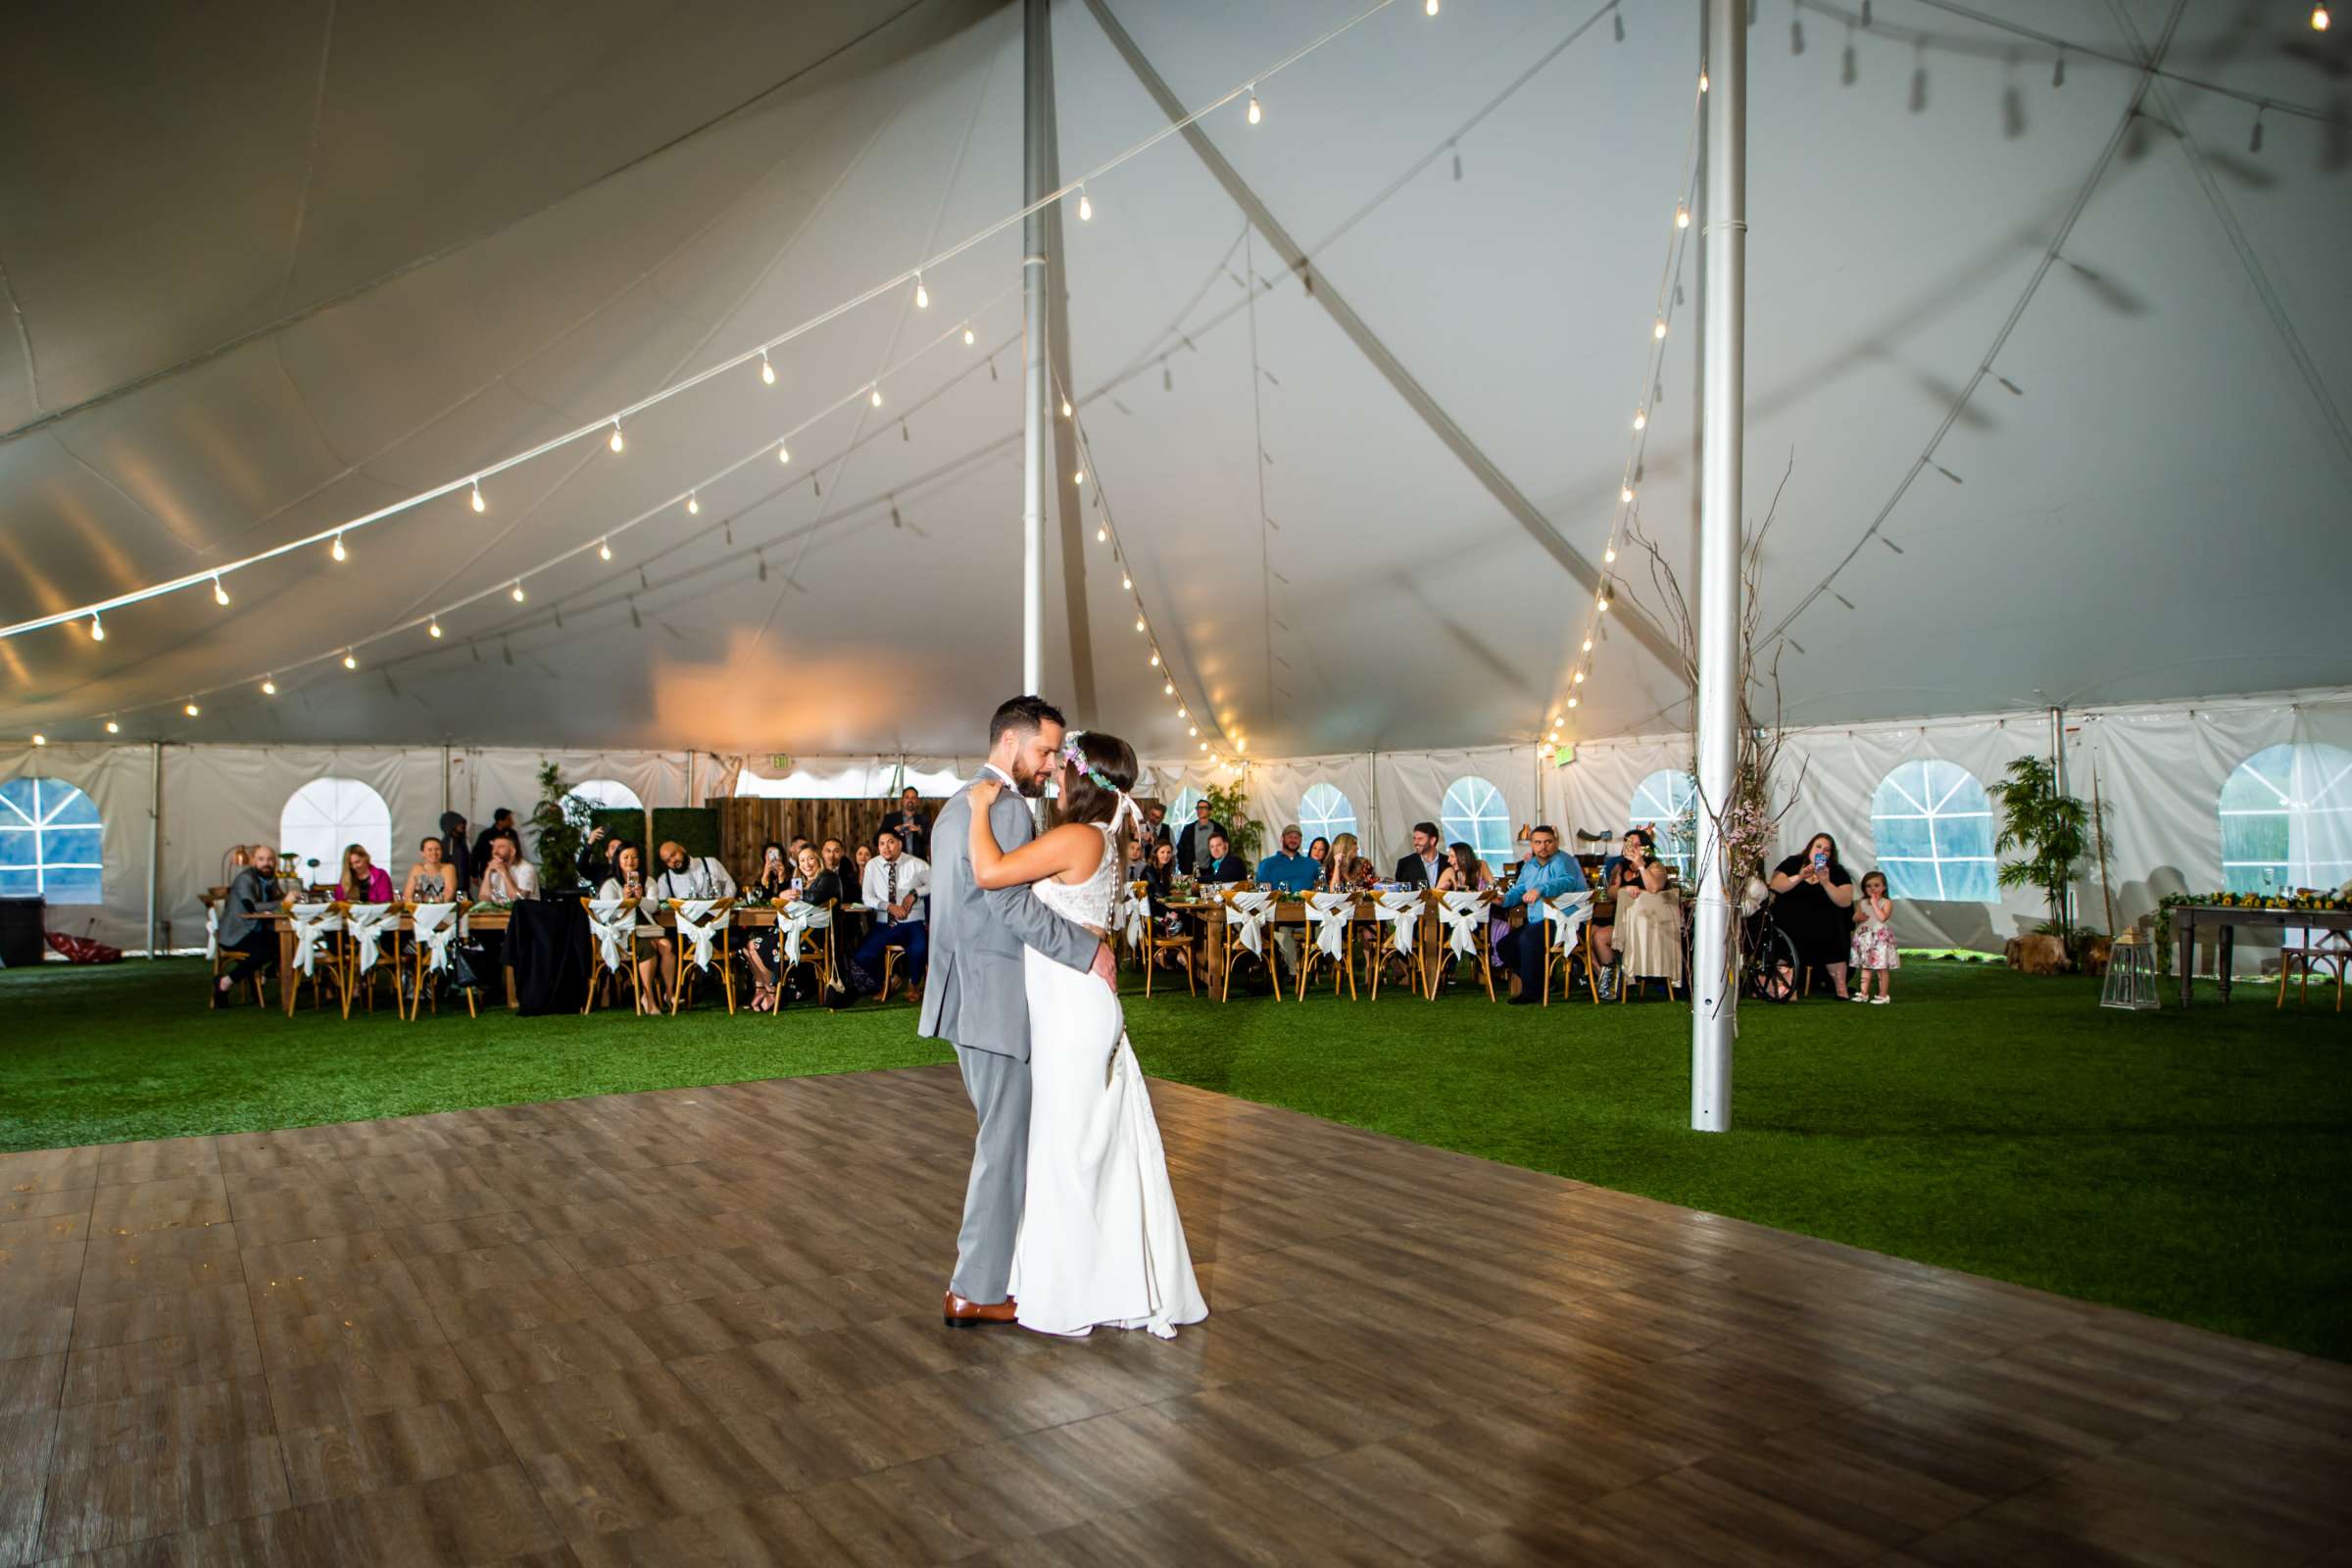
(1100, 1242)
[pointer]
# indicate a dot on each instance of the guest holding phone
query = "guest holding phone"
(1815, 908)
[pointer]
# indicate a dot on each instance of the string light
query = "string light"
(2319, 19)
(767, 371)
(874, 393)
(434, 630)
(338, 552)
(1682, 216)
(112, 729)
(1658, 330)
(922, 295)
(604, 549)
(1126, 582)
(97, 629)
(1103, 537)
(1154, 659)
(270, 686)
(1588, 645)
(1139, 627)
(1430, 9)
(1086, 208)
(1641, 418)
(1256, 114)
(479, 505)
(1702, 81)
(615, 443)
(191, 709)
(1625, 492)
(516, 593)
(351, 658)
(39, 739)
(783, 454)
(968, 336)
(1571, 702)
(220, 593)
(1167, 688)
(1601, 605)
(1065, 408)
(1079, 477)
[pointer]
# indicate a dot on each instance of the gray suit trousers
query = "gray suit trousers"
(1000, 1184)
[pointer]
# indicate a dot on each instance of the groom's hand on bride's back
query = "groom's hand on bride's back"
(1106, 968)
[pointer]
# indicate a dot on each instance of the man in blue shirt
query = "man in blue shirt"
(1547, 874)
(1290, 871)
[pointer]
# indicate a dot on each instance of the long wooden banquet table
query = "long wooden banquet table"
(2224, 919)
(1291, 909)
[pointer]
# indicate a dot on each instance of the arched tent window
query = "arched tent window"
(1668, 799)
(1473, 813)
(1933, 824)
(1180, 809)
(326, 814)
(606, 794)
(49, 841)
(2286, 819)
(1325, 814)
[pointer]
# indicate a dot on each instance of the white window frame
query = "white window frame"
(1933, 813)
(1455, 806)
(1317, 825)
(19, 826)
(2319, 786)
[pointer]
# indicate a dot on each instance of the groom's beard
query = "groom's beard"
(1031, 785)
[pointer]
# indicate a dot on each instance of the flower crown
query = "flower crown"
(1076, 758)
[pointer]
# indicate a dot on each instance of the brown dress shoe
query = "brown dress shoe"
(963, 1314)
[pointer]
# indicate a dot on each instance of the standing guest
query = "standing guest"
(774, 875)
(506, 876)
(1873, 940)
(1422, 867)
(457, 854)
(251, 894)
(1156, 824)
(1816, 893)
(432, 880)
(502, 820)
(1191, 845)
(1546, 874)
(628, 881)
(896, 885)
(685, 876)
(910, 823)
(1222, 866)
(363, 881)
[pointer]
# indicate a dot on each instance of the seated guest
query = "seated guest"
(502, 820)
(1545, 875)
(628, 881)
(1222, 866)
(1625, 877)
(1464, 871)
(1160, 886)
(363, 881)
(1648, 929)
(859, 862)
(1191, 845)
(1815, 906)
(896, 885)
(1339, 871)
(831, 857)
(685, 876)
(597, 852)
(911, 824)
(776, 875)
(456, 852)
(1362, 873)
(1138, 857)
(251, 894)
(432, 880)
(813, 884)
(1288, 871)
(1422, 867)
(1319, 852)
(506, 874)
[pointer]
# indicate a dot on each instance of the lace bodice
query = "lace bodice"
(1089, 902)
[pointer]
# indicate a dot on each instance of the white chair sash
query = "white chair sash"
(613, 922)
(1567, 914)
(368, 924)
(1248, 914)
(795, 921)
(701, 927)
(313, 923)
(1462, 913)
(1134, 917)
(212, 931)
(436, 927)
(1404, 912)
(1328, 913)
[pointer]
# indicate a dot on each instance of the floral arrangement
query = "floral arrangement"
(2294, 898)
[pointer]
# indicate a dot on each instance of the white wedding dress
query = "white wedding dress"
(1100, 1241)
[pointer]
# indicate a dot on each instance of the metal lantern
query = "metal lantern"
(2131, 974)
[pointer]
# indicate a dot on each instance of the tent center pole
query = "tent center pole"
(1713, 978)
(155, 841)
(1035, 428)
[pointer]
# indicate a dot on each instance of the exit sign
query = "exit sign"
(781, 761)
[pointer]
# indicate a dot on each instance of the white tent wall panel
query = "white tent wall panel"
(482, 779)
(120, 782)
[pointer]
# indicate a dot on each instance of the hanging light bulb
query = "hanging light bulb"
(516, 593)
(191, 709)
(1204, 744)
(338, 552)
(434, 630)
(1216, 759)
(1256, 114)
(350, 660)
(1580, 677)
(1139, 624)
(874, 393)
(270, 686)
(1682, 216)
(1065, 408)
(922, 295)
(1641, 418)
(1167, 688)
(479, 505)
(1182, 712)
(1154, 659)
(1242, 745)
(1101, 534)
(112, 729)
(39, 739)
(615, 443)
(97, 629)
(1571, 702)
(1588, 645)
(767, 371)
(1086, 208)
(1078, 478)
(220, 593)
(1609, 554)
(1602, 605)
(967, 334)
(783, 454)
(1625, 492)
(1193, 729)
(1659, 329)
(694, 505)
(1430, 8)
(604, 551)
(1126, 582)
(2319, 18)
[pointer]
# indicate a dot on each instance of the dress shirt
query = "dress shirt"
(1552, 878)
(886, 882)
(1288, 873)
(1232, 869)
(518, 881)
(702, 878)
(913, 829)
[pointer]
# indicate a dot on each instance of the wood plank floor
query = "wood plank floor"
(701, 1326)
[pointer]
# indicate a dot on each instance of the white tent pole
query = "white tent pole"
(155, 838)
(1714, 988)
(1037, 142)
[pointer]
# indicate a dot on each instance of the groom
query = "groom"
(979, 1002)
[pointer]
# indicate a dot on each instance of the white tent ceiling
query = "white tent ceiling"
(270, 273)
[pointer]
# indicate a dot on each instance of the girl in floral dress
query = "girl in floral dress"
(1874, 940)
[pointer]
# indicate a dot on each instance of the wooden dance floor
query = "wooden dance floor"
(701, 1326)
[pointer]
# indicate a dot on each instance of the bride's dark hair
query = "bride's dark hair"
(1082, 799)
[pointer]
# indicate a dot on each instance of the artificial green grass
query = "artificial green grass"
(2194, 1164)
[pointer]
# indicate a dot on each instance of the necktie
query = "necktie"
(890, 888)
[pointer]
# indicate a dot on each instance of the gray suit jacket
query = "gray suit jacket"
(976, 996)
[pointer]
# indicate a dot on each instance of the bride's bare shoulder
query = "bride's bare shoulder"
(1078, 845)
